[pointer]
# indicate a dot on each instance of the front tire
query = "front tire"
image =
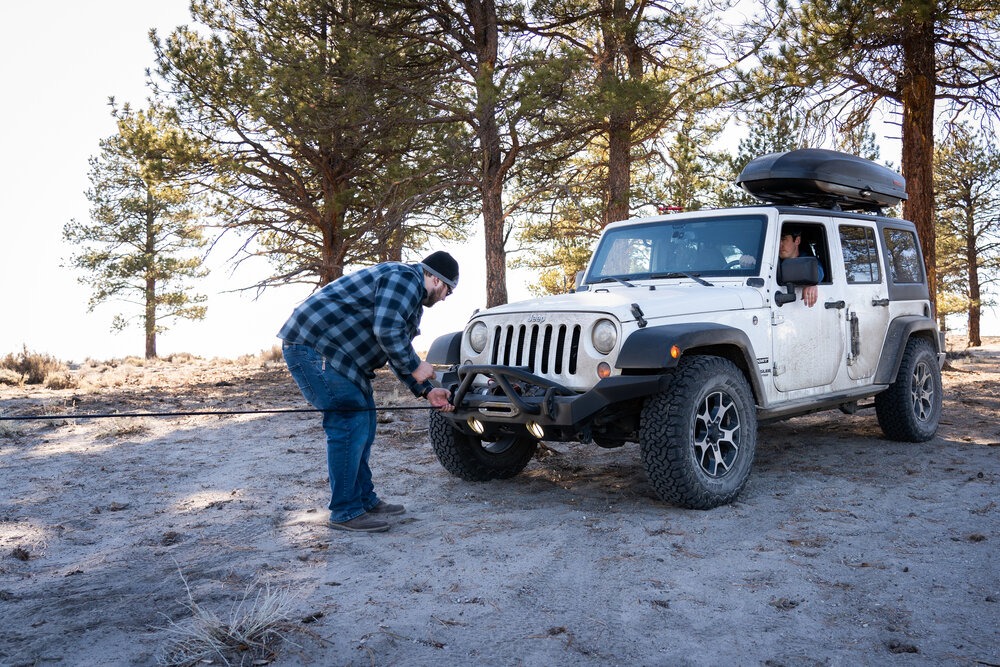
(910, 409)
(470, 458)
(698, 437)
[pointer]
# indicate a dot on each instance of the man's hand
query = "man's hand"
(809, 295)
(423, 372)
(439, 398)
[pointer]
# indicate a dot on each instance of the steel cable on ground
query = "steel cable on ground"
(200, 413)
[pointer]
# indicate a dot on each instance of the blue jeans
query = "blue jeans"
(349, 422)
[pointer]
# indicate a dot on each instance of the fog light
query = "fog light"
(535, 429)
(603, 370)
(476, 425)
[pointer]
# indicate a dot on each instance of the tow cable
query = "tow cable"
(200, 413)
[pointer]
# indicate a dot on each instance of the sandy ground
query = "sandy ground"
(844, 549)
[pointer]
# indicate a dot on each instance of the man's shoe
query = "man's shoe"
(361, 524)
(387, 509)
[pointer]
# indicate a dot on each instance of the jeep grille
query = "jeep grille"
(544, 349)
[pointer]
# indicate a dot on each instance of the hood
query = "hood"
(664, 301)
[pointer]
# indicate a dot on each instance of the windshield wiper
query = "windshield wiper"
(608, 279)
(683, 274)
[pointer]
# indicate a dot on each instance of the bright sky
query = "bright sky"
(59, 63)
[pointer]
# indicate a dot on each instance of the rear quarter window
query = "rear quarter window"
(905, 263)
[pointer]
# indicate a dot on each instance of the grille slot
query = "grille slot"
(545, 349)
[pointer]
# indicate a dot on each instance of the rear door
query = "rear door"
(866, 312)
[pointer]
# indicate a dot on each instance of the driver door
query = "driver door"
(808, 343)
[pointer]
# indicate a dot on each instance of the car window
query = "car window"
(860, 254)
(905, 263)
(813, 244)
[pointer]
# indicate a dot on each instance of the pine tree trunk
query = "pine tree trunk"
(621, 61)
(149, 318)
(918, 90)
(332, 214)
(619, 146)
(483, 17)
(496, 255)
(975, 304)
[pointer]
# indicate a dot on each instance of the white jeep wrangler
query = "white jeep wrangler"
(687, 329)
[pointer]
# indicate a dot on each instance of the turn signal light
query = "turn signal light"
(603, 370)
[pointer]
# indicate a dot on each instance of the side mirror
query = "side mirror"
(793, 272)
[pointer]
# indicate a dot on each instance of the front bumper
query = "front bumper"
(515, 396)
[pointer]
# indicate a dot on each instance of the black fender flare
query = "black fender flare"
(900, 330)
(446, 350)
(650, 348)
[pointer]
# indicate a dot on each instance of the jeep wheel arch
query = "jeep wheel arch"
(649, 348)
(900, 331)
(446, 350)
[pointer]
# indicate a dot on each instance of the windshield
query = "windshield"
(728, 245)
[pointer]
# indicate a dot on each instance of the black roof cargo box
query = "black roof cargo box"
(824, 178)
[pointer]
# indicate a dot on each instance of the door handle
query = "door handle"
(834, 305)
(880, 302)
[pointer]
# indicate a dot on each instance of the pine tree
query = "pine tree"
(967, 184)
(325, 156)
(140, 245)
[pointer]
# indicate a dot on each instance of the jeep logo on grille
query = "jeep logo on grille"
(536, 318)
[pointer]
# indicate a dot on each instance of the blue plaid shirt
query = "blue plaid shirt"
(364, 320)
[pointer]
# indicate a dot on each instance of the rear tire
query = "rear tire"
(470, 458)
(910, 409)
(698, 437)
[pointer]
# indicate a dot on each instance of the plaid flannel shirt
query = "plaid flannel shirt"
(364, 320)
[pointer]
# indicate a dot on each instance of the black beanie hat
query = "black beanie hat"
(442, 265)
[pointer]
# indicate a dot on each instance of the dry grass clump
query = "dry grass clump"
(61, 381)
(9, 377)
(31, 367)
(274, 354)
(250, 635)
(121, 428)
(263, 357)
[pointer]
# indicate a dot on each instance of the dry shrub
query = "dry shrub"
(180, 358)
(121, 428)
(250, 635)
(32, 366)
(61, 381)
(274, 354)
(9, 377)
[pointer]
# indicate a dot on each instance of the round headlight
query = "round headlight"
(604, 336)
(478, 335)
